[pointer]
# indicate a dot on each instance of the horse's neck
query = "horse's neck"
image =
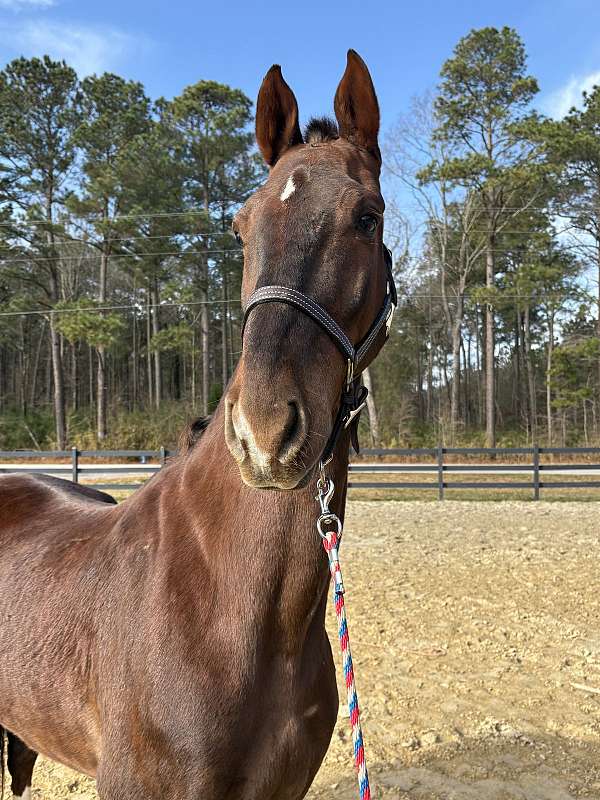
(260, 544)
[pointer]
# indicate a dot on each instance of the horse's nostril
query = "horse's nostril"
(294, 433)
(293, 420)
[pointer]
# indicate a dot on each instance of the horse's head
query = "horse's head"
(314, 227)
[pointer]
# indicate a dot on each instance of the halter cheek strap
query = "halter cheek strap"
(354, 396)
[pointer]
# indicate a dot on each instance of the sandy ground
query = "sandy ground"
(476, 637)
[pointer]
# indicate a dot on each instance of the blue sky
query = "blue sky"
(168, 45)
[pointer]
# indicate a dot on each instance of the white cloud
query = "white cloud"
(86, 49)
(558, 103)
(24, 5)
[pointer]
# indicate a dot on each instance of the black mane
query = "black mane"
(192, 433)
(321, 129)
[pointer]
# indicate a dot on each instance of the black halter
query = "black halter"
(354, 396)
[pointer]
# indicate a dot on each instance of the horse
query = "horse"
(174, 645)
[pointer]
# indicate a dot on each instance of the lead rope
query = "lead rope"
(331, 540)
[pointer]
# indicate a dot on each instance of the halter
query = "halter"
(354, 395)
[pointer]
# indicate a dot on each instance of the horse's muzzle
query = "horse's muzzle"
(267, 438)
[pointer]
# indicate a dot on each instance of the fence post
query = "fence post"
(440, 472)
(75, 465)
(536, 472)
(162, 456)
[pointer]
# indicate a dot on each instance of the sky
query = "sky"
(171, 44)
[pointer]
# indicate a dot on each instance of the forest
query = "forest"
(120, 277)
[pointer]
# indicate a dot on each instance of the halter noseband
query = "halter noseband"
(354, 396)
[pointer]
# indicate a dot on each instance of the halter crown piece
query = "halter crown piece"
(354, 395)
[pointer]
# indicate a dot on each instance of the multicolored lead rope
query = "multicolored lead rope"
(331, 543)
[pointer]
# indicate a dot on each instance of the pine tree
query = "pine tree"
(482, 104)
(115, 112)
(39, 114)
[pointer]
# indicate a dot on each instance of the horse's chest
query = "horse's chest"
(265, 742)
(288, 750)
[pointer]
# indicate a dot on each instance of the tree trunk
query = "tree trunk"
(530, 377)
(420, 392)
(372, 409)
(149, 346)
(548, 381)
(466, 352)
(193, 366)
(516, 388)
(55, 338)
(74, 377)
(58, 383)
(204, 340)
(224, 337)
(134, 363)
(36, 364)
(455, 392)
(157, 358)
(490, 393)
(598, 309)
(100, 350)
(479, 369)
(430, 381)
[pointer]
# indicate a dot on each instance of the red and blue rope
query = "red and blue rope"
(330, 543)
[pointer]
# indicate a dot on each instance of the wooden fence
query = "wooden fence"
(530, 461)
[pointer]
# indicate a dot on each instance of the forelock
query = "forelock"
(321, 129)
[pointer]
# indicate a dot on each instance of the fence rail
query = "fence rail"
(439, 468)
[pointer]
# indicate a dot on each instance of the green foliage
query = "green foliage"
(144, 429)
(83, 323)
(114, 113)
(483, 118)
(569, 376)
(40, 109)
(176, 338)
(22, 432)
(484, 89)
(108, 198)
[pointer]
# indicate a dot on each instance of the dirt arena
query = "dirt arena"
(476, 636)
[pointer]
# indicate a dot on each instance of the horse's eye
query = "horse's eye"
(238, 238)
(368, 224)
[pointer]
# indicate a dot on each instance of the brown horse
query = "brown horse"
(174, 645)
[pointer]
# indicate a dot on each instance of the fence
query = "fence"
(440, 467)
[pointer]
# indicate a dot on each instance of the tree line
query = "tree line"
(120, 279)
(499, 330)
(119, 276)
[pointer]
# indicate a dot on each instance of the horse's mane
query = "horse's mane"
(321, 129)
(192, 433)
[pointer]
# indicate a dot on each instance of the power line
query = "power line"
(420, 259)
(186, 303)
(90, 256)
(168, 214)
(97, 218)
(65, 219)
(92, 243)
(129, 307)
(512, 232)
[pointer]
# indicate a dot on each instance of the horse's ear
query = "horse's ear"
(277, 127)
(356, 106)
